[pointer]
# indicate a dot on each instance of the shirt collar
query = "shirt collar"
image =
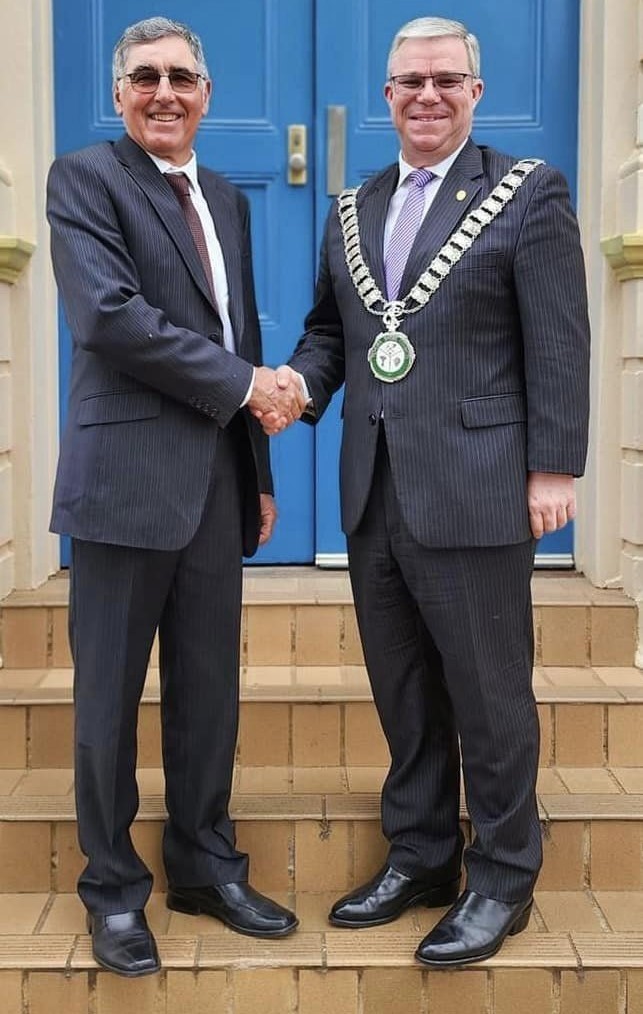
(439, 169)
(190, 168)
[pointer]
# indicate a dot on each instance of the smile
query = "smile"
(164, 117)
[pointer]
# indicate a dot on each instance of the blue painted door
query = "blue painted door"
(281, 62)
(530, 107)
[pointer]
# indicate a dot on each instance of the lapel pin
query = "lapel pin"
(461, 194)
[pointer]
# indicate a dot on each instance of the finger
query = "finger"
(284, 376)
(276, 426)
(536, 524)
(550, 523)
(561, 515)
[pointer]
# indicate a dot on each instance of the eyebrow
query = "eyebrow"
(151, 66)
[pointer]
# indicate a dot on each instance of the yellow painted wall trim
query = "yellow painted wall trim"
(14, 257)
(625, 254)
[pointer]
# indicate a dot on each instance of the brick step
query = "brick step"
(303, 616)
(318, 829)
(324, 716)
(582, 953)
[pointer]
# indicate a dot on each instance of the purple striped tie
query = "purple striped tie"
(405, 230)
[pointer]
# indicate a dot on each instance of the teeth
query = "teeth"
(164, 117)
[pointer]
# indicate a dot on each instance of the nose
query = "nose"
(428, 92)
(163, 89)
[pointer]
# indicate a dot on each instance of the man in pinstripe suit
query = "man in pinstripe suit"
(163, 481)
(464, 424)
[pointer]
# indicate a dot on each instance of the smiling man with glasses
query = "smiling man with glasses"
(163, 483)
(451, 302)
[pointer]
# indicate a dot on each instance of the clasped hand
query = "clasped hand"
(277, 398)
(551, 501)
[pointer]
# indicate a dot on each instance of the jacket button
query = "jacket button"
(372, 419)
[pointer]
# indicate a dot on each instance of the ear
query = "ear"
(477, 88)
(118, 106)
(208, 91)
(388, 93)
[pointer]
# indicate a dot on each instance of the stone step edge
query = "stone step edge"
(265, 586)
(576, 951)
(327, 807)
(279, 693)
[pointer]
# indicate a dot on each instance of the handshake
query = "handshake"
(277, 398)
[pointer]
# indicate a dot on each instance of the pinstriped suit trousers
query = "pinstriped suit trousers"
(119, 595)
(448, 642)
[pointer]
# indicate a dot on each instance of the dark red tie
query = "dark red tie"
(181, 186)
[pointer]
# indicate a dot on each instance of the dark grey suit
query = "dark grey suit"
(433, 487)
(158, 485)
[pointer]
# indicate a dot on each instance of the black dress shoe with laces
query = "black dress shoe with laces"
(123, 943)
(387, 895)
(472, 930)
(239, 906)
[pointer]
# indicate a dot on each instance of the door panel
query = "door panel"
(258, 53)
(530, 105)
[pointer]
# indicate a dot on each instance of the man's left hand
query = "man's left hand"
(268, 511)
(551, 499)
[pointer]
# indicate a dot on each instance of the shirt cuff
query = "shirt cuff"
(249, 391)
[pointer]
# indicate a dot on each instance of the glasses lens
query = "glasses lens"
(448, 82)
(144, 80)
(441, 82)
(183, 80)
(409, 82)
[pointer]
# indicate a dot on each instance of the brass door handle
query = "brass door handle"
(297, 161)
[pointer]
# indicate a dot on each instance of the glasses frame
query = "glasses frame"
(397, 88)
(150, 91)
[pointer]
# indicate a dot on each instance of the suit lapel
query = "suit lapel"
(454, 199)
(163, 200)
(226, 218)
(372, 205)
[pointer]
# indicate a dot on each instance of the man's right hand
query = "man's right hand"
(277, 399)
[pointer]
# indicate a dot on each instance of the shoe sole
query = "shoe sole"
(435, 897)
(520, 924)
(178, 904)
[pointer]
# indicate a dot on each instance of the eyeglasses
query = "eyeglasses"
(445, 84)
(146, 80)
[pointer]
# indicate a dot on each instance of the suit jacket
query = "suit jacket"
(150, 384)
(500, 382)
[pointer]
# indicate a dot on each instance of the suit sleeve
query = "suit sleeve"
(549, 278)
(319, 354)
(107, 313)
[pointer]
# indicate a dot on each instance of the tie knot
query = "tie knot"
(420, 177)
(179, 182)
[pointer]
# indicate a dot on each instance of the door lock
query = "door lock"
(297, 161)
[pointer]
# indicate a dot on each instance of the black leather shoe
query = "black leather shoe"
(387, 895)
(239, 906)
(123, 943)
(472, 930)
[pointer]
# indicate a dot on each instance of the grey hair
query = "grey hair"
(149, 31)
(429, 28)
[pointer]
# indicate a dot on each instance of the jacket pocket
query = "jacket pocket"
(496, 410)
(118, 406)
